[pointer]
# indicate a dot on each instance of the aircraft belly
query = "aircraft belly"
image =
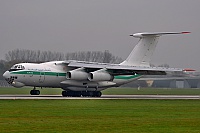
(83, 89)
(47, 81)
(86, 84)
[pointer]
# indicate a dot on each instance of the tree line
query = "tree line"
(22, 55)
(31, 56)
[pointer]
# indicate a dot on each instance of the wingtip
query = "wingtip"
(189, 70)
(186, 32)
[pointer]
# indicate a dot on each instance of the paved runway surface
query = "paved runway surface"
(102, 97)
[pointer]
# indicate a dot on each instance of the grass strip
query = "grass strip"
(93, 116)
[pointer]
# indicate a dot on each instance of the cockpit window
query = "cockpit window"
(17, 67)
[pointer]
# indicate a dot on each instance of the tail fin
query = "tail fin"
(143, 51)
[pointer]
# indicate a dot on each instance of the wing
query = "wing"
(116, 69)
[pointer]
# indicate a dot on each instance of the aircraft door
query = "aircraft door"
(42, 77)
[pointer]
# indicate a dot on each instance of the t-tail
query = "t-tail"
(143, 51)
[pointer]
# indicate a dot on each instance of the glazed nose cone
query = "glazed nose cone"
(6, 75)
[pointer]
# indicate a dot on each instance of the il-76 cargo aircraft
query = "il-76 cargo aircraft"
(81, 78)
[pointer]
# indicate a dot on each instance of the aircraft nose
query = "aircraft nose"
(6, 75)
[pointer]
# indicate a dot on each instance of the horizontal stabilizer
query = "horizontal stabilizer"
(145, 34)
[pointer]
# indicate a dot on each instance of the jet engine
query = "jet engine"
(100, 76)
(77, 74)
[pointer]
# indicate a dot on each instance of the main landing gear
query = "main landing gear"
(35, 92)
(81, 93)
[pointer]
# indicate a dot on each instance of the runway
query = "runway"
(102, 97)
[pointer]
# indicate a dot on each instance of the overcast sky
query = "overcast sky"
(99, 25)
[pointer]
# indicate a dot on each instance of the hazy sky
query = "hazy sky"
(98, 25)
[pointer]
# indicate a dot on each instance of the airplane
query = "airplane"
(88, 79)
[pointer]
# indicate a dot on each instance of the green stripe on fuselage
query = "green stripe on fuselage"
(127, 77)
(39, 73)
(64, 74)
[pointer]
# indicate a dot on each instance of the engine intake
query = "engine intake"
(77, 74)
(100, 76)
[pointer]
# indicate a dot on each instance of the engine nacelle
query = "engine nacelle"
(100, 76)
(77, 74)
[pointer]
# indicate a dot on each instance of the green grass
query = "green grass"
(91, 116)
(103, 116)
(151, 91)
(110, 91)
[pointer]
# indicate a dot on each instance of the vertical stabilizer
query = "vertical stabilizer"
(143, 51)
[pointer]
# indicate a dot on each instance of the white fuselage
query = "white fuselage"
(53, 74)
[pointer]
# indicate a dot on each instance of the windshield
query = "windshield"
(17, 67)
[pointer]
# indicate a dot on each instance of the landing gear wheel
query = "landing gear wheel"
(77, 94)
(64, 93)
(71, 93)
(84, 94)
(91, 93)
(35, 92)
(81, 93)
(98, 94)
